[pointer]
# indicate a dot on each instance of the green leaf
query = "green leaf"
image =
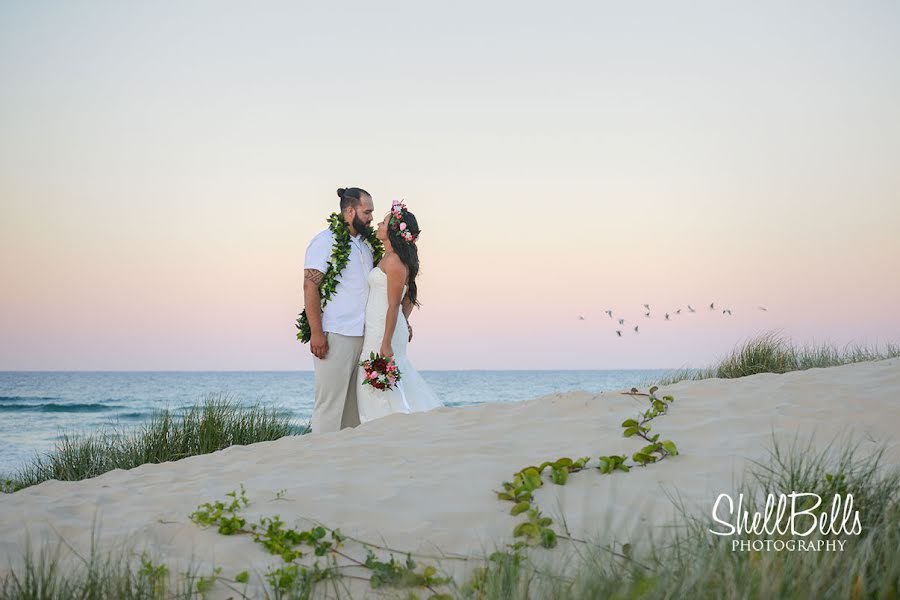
(505, 496)
(653, 389)
(630, 431)
(629, 423)
(670, 447)
(242, 577)
(563, 462)
(429, 572)
(527, 529)
(520, 508)
(640, 457)
(548, 538)
(526, 495)
(560, 476)
(533, 478)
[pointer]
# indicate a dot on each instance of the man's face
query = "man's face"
(362, 215)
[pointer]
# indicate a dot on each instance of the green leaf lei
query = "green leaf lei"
(340, 255)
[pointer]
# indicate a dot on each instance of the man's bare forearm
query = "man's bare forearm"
(312, 299)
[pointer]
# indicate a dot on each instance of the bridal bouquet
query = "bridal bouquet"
(381, 372)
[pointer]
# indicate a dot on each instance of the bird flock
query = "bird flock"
(667, 316)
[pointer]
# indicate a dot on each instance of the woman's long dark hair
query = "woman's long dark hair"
(408, 253)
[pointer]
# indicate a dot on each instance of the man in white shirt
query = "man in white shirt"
(336, 334)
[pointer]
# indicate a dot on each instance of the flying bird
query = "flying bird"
(678, 312)
(712, 306)
(647, 306)
(647, 315)
(609, 312)
(762, 308)
(618, 333)
(621, 321)
(691, 308)
(727, 311)
(580, 318)
(667, 316)
(635, 328)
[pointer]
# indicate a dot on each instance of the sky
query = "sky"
(163, 167)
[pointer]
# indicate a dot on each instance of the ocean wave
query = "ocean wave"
(133, 416)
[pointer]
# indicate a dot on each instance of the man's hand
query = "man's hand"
(318, 345)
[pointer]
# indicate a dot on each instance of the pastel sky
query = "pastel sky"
(164, 165)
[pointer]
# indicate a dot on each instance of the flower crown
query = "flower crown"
(397, 223)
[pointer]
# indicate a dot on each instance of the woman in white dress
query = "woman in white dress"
(392, 296)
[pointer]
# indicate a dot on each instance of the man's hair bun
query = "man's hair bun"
(340, 192)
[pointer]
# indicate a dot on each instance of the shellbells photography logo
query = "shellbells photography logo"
(795, 522)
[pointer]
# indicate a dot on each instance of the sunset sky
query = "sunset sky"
(164, 165)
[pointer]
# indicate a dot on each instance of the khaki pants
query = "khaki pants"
(335, 407)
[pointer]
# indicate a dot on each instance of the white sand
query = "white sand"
(425, 482)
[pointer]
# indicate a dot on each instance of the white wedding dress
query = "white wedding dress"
(411, 393)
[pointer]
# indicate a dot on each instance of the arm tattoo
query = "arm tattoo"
(314, 275)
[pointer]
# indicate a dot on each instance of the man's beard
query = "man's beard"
(361, 228)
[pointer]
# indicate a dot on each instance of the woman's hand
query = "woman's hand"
(386, 350)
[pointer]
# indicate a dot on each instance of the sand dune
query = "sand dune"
(425, 482)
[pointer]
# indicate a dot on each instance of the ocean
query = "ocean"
(36, 407)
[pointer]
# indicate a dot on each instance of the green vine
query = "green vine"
(278, 539)
(340, 255)
(537, 529)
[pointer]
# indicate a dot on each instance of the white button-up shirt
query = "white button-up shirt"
(345, 313)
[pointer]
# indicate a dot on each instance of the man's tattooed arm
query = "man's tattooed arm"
(314, 276)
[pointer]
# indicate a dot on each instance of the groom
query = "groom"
(336, 333)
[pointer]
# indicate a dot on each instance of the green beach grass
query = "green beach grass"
(693, 563)
(215, 423)
(772, 352)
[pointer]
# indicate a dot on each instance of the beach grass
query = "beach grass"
(694, 563)
(772, 352)
(687, 562)
(215, 423)
(95, 577)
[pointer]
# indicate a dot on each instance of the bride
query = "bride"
(392, 296)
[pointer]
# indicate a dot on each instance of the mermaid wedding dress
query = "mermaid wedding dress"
(411, 394)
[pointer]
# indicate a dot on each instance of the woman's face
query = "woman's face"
(382, 232)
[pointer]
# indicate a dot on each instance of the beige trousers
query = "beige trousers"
(335, 407)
